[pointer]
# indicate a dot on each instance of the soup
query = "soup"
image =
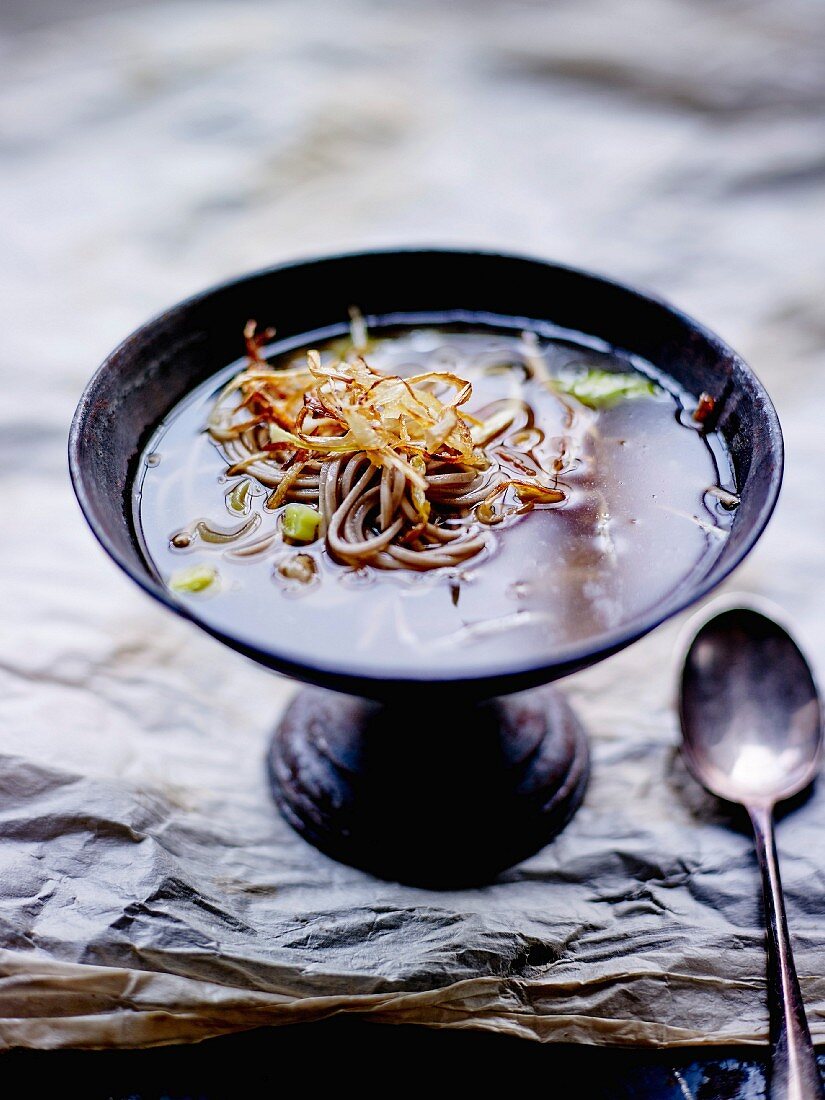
(434, 498)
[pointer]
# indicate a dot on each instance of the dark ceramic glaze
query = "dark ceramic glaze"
(329, 763)
(436, 803)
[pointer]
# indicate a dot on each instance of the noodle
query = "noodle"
(402, 478)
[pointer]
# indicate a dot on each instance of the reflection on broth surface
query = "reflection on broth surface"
(567, 494)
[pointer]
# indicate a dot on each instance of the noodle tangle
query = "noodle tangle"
(401, 475)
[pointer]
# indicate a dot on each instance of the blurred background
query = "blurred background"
(151, 148)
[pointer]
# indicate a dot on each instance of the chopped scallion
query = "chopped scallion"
(301, 523)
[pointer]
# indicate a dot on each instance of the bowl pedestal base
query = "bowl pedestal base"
(426, 790)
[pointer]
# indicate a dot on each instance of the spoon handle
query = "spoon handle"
(794, 1072)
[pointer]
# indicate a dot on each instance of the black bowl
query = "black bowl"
(156, 366)
(164, 359)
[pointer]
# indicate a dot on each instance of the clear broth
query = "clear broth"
(640, 521)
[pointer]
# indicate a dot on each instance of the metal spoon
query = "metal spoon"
(752, 729)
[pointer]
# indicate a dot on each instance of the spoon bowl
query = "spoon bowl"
(750, 710)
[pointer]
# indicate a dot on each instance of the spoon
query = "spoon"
(752, 730)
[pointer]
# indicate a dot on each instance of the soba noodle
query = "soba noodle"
(400, 474)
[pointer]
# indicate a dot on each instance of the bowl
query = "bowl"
(495, 778)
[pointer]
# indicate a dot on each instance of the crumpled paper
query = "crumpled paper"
(149, 891)
(173, 903)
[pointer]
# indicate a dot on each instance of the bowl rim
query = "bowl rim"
(568, 658)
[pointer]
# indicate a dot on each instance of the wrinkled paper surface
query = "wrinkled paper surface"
(149, 892)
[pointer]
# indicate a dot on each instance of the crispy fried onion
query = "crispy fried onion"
(396, 465)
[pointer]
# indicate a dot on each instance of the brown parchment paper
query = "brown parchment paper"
(149, 893)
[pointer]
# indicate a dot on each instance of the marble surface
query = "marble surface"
(149, 151)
